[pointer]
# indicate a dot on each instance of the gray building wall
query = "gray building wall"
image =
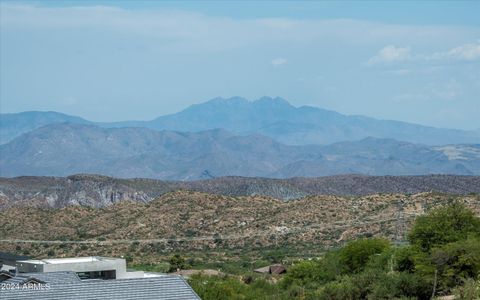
(25, 267)
(103, 264)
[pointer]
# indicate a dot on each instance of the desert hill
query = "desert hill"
(102, 191)
(196, 221)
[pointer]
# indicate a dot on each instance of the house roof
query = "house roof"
(277, 269)
(51, 277)
(263, 270)
(65, 277)
(4, 275)
(272, 269)
(22, 279)
(153, 288)
(69, 260)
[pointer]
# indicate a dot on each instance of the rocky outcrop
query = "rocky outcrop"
(92, 191)
(102, 191)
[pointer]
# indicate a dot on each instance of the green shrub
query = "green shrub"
(225, 287)
(302, 273)
(343, 289)
(456, 262)
(396, 285)
(405, 259)
(177, 262)
(355, 255)
(444, 225)
(469, 291)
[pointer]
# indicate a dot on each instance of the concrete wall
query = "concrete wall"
(132, 274)
(24, 267)
(119, 265)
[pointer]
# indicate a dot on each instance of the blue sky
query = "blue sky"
(115, 60)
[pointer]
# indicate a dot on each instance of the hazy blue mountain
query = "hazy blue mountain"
(64, 149)
(15, 124)
(278, 119)
(275, 118)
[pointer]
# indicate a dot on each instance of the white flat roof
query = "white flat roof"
(32, 261)
(68, 260)
(152, 274)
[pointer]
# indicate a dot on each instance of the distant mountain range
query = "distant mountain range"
(14, 125)
(65, 149)
(272, 117)
(233, 137)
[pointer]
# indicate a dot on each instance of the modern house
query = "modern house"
(276, 269)
(54, 286)
(89, 278)
(91, 267)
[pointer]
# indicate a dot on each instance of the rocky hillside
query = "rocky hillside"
(193, 220)
(101, 191)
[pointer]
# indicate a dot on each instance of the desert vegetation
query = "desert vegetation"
(381, 246)
(442, 258)
(193, 221)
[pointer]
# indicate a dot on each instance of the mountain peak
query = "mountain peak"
(241, 101)
(271, 100)
(231, 100)
(271, 116)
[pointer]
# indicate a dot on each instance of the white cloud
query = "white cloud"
(278, 61)
(390, 54)
(464, 52)
(179, 48)
(189, 31)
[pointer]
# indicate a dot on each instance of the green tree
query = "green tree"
(355, 255)
(456, 262)
(343, 289)
(301, 273)
(313, 273)
(405, 259)
(400, 284)
(444, 225)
